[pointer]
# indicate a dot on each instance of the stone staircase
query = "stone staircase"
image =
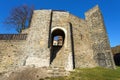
(57, 72)
(29, 73)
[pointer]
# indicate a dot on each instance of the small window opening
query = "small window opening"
(58, 41)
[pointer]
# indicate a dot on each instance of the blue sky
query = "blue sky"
(109, 8)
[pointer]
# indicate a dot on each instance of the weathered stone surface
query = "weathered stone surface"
(99, 38)
(11, 54)
(31, 73)
(85, 43)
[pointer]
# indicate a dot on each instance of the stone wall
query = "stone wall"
(86, 42)
(11, 54)
(82, 47)
(37, 41)
(99, 39)
(60, 20)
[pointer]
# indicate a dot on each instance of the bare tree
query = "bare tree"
(20, 17)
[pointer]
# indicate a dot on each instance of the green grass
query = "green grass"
(92, 74)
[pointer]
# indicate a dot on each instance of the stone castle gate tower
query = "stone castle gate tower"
(81, 42)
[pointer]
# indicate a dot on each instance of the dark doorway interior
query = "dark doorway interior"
(57, 42)
(117, 59)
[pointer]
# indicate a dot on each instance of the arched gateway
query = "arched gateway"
(57, 43)
(58, 39)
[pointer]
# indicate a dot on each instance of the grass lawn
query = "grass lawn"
(92, 74)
